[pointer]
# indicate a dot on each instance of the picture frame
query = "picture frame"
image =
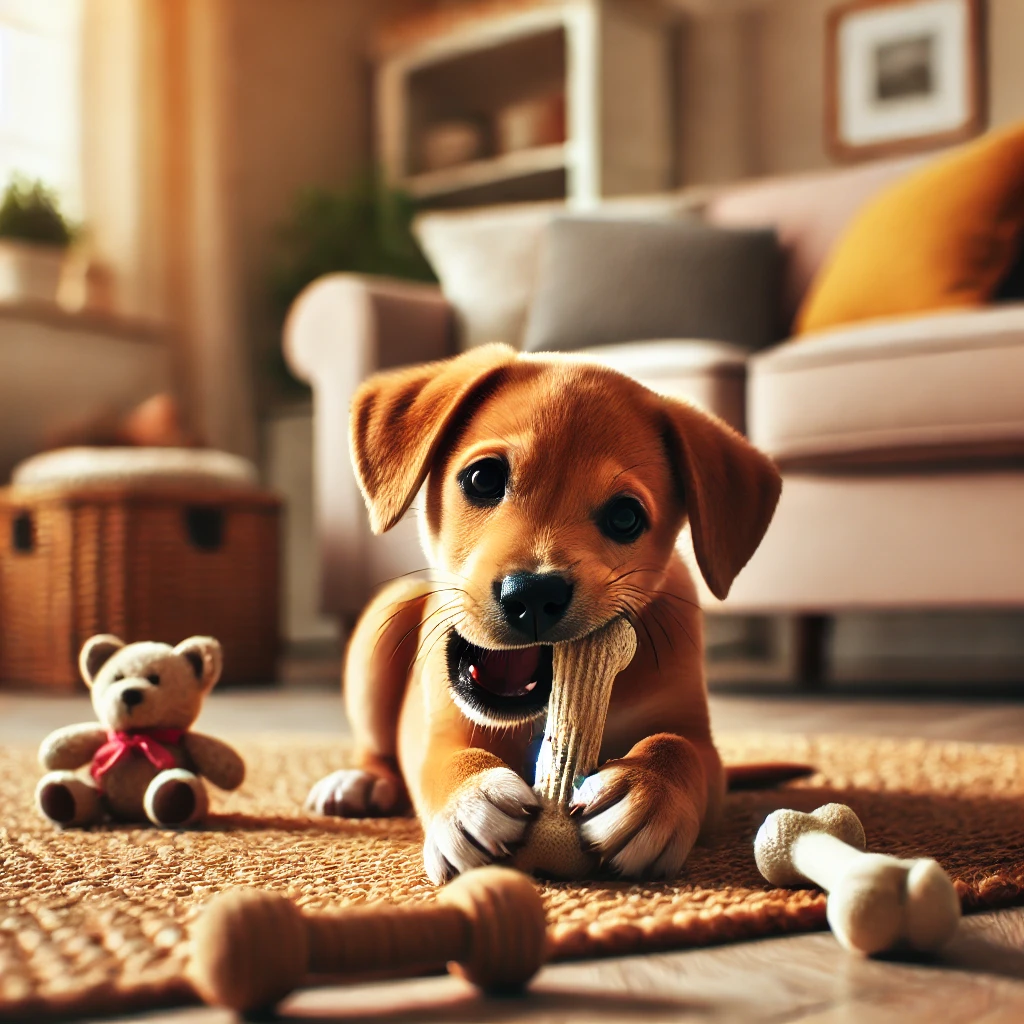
(903, 75)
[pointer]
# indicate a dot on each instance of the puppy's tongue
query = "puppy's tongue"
(506, 673)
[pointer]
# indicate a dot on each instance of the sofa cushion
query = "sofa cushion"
(943, 237)
(602, 282)
(486, 258)
(932, 388)
(808, 212)
(710, 374)
(70, 468)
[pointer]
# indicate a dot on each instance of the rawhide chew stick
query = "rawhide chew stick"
(583, 672)
(875, 902)
(252, 948)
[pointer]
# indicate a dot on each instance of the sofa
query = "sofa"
(901, 442)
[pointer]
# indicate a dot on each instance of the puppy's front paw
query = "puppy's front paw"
(636, 823)
(354, 793)
(484, 822)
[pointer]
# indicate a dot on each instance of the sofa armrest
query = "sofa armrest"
(340, 330)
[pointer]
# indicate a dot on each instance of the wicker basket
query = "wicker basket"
(159, 562)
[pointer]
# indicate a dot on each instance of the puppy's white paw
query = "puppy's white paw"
(484, 822)
(636, 826)
(353, 793)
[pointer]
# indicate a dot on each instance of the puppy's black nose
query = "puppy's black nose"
(533, 602)
(131, 697)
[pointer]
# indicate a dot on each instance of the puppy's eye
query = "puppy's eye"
(154, 679)
(623, 519)
(483, 482)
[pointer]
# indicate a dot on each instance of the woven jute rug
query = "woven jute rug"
(97, 921)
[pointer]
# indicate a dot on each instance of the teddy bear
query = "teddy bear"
(145, 763)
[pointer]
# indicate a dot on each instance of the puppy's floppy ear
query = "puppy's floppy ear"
(205, 658)
(397, 421)
(730, 490)
(96, 652)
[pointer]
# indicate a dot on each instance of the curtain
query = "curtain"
(158, 184)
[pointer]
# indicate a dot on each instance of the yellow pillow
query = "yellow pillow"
(943, 236)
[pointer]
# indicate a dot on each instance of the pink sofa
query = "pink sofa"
(901, 442)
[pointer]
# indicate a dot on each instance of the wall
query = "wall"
(202, 118)
(752, 86)
(39, 117)
(302, 103)
(717, 108)
(302, 97)
(751, 100)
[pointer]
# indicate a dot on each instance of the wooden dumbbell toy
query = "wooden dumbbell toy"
(252, 948)
(875, 902)
(583, 672)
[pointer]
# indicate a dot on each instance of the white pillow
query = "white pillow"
(486, 260)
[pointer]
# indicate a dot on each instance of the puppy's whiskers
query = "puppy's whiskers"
(676, 597)
(441, 629)
(442, 609)
(652, 606)
(657, 621)
(635, 617)
(400, 605)
(610, 582)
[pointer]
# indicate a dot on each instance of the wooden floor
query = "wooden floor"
(980, 977)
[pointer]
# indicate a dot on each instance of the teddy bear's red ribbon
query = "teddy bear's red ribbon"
(148, 742)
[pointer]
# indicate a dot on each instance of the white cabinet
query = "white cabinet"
(567, 98)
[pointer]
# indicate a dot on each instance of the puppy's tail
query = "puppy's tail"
(765, 776)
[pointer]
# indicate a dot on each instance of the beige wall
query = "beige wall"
(715, 103)
(752, 89)
(302, 101)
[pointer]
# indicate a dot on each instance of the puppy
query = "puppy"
(555, 492)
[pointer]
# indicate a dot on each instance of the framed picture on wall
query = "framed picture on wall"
(902, 75)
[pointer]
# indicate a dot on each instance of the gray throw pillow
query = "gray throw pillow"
(606, 281)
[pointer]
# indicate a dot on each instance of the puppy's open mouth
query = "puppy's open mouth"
(499, 686)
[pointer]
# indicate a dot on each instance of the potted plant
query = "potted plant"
(34, 240)
(362, 227)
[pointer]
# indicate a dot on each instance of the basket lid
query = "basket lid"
(73, 468)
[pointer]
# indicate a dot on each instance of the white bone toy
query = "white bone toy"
(583, 673)
(875, 902)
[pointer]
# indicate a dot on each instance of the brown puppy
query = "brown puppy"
(555, 492)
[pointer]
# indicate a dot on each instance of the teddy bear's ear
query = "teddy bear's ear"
(203, 653)
(98, 650)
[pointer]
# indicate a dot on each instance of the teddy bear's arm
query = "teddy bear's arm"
(72, 746)
(215, 760)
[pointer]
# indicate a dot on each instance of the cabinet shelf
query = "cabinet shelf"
(611, 60)
(490, 171)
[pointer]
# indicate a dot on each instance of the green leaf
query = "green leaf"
(363, 228)
(30, 212)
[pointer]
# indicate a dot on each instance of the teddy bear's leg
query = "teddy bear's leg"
(68, 800)
(175, 798)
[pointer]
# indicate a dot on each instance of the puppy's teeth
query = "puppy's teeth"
(530, 686)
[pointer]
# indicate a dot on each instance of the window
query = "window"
(40, 94)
